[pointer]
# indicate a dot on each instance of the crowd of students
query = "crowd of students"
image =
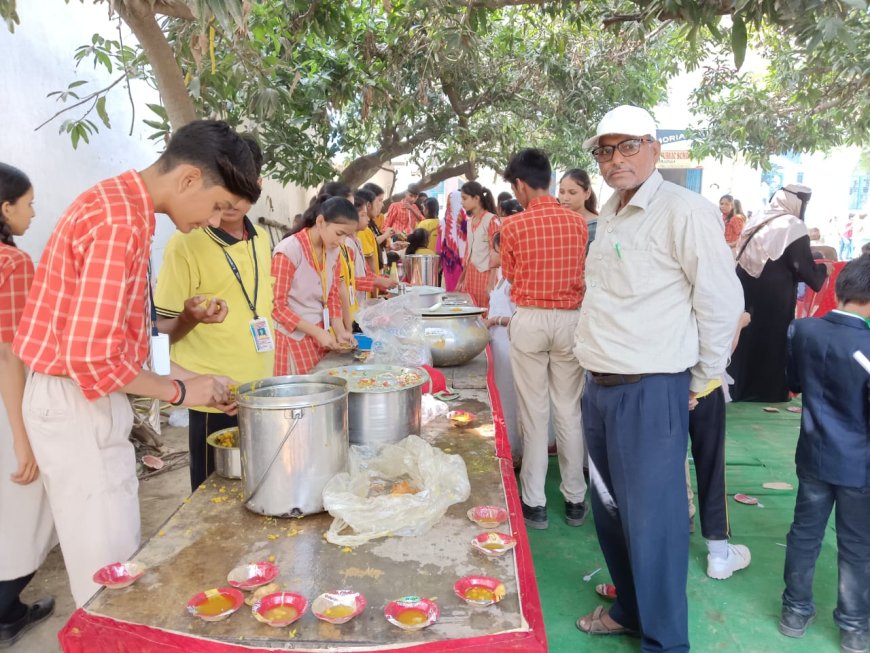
(645, 357)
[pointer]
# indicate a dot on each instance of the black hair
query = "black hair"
(496, 240)
(362, 197)
(865, 248)
(581, 178)
(475, 189)
(503, 196)
(13, 185)
(432, 208)
(373, 188)
(333, 209)
(413, 189)
(417, 239)
(256, 150)
(392, 257)
(334, 189)
(853, 282)
(511, 207)
(532, 166)
(224, 157)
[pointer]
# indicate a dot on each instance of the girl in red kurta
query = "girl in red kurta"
(732, 216)
(307, 309)
(481, 261)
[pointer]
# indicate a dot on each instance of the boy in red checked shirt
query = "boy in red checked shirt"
(86, 334)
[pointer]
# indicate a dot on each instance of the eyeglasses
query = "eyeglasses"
(628, 147)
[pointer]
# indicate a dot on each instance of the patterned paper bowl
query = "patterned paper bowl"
(487, 516)
(479, 590)
(412, 613)
(493, 544)
(461, 417)
(280, 609)
(338, 607)
(215, 604)
(248, 577)
(119, 574)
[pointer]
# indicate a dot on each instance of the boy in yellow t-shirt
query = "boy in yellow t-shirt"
(231, 335)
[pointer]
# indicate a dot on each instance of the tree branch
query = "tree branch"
(93, 97)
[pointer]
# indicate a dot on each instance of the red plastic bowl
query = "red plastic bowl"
(400, 612)
(229, 600)
(494, 587)
(279, 600)
(119, 574)
(338, 599)
(247, 577)
(487, 516)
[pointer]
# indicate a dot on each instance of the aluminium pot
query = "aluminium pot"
(421, 269)
(419, 297)
(455, 334)
(227, 460)
(378, 415)
(293, 440)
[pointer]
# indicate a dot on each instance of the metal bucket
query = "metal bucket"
(293, 440)
(421, 269)
(227, 460)
(377, 417)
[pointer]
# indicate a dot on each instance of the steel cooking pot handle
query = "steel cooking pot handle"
(296, 416)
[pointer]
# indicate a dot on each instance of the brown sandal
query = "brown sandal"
(598, 627)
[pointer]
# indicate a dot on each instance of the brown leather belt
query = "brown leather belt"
(609, 380)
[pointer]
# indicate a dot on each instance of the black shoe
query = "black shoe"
(37, 612)
(792, 624)
(691, 524)
(852, 642)
(535, 517)
(575, 513)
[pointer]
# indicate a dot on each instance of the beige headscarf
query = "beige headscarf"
(772, 231)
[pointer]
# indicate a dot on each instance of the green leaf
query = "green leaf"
(77, 83)
(738, 41)
(101, 111)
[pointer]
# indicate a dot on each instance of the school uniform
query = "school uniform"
(26, 525)
(477, 257)
(305, 289)
(84, 334)
(355, 274)
(213, 263)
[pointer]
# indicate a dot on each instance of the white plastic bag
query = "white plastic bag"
(431, 408)
(397, 332)
(441, 478)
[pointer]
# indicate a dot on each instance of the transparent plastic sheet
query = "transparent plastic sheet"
(431, 408)
(397, 333)
(441, 479)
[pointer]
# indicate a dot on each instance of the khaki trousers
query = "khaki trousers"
(88, 467)
(546, 373)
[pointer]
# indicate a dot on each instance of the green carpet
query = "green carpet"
(738, 615)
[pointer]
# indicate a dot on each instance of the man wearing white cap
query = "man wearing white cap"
(661, 307)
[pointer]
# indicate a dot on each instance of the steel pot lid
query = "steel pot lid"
(453, 311)
(419, 290)
(298, 391)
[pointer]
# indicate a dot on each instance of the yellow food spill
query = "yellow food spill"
(281, 613)
(338, 611)
(479, 594)
(271, 558)
(412, 617)
(214, 605)
(346, 549)
(293, 532)
(221, 499)
(368, 572)
(272, 536)
(226, 440)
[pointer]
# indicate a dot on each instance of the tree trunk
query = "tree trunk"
(140, 17)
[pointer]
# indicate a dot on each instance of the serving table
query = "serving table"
(212, 532)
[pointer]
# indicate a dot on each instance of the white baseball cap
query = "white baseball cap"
(624, 119)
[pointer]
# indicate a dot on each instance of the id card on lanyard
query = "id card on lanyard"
(160, 363)
(351, 274)
(259, 326)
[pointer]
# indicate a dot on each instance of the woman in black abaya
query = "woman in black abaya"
(773, 257)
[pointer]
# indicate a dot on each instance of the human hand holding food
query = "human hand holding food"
(326, 339)
(206, 390)
(201, 309)
(385, 283)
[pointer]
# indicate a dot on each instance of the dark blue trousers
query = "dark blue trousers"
(637, 436)
(815, 500)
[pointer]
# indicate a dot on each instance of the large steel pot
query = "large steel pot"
(421, 269)
(293, 440)
(422, 297)
(455, 334)
(382, 415)
(227, 460)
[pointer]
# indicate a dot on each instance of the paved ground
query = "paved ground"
(159, 496)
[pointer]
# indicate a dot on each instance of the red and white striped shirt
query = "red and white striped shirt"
(403, 217)
(16, 275)
(87, 316)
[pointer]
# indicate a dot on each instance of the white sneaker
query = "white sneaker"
(722, 568)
